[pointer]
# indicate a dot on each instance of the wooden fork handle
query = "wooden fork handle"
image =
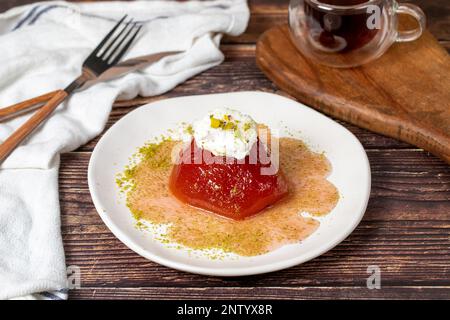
(25, 106)
(28, 127)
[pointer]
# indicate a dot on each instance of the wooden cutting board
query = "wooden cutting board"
(405, 94)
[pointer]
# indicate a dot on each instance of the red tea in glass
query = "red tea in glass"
(340, 31)
(349, 33)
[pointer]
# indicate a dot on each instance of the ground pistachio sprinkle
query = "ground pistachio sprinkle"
(145, 185)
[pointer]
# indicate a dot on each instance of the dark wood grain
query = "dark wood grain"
(276, 293)
(268, 13)
(238, 73)
(406, 229)
(394, 234)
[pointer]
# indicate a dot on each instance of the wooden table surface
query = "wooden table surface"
(405, 231)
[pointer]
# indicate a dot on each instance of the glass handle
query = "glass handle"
(419, 15)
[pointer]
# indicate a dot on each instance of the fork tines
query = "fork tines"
(114, 46)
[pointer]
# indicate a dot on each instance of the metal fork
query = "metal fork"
(107, 54)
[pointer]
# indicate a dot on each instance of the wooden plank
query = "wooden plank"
(406, 231)
(445, 44)
(368, 139)
(276, 293)
(238, 73)
(418, 257)
(268, 13)
(397, 175)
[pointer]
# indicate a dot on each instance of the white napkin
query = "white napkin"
(43, 46)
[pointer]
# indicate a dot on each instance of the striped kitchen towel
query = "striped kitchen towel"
(43, 46)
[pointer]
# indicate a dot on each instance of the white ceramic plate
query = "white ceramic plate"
(351, 175)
